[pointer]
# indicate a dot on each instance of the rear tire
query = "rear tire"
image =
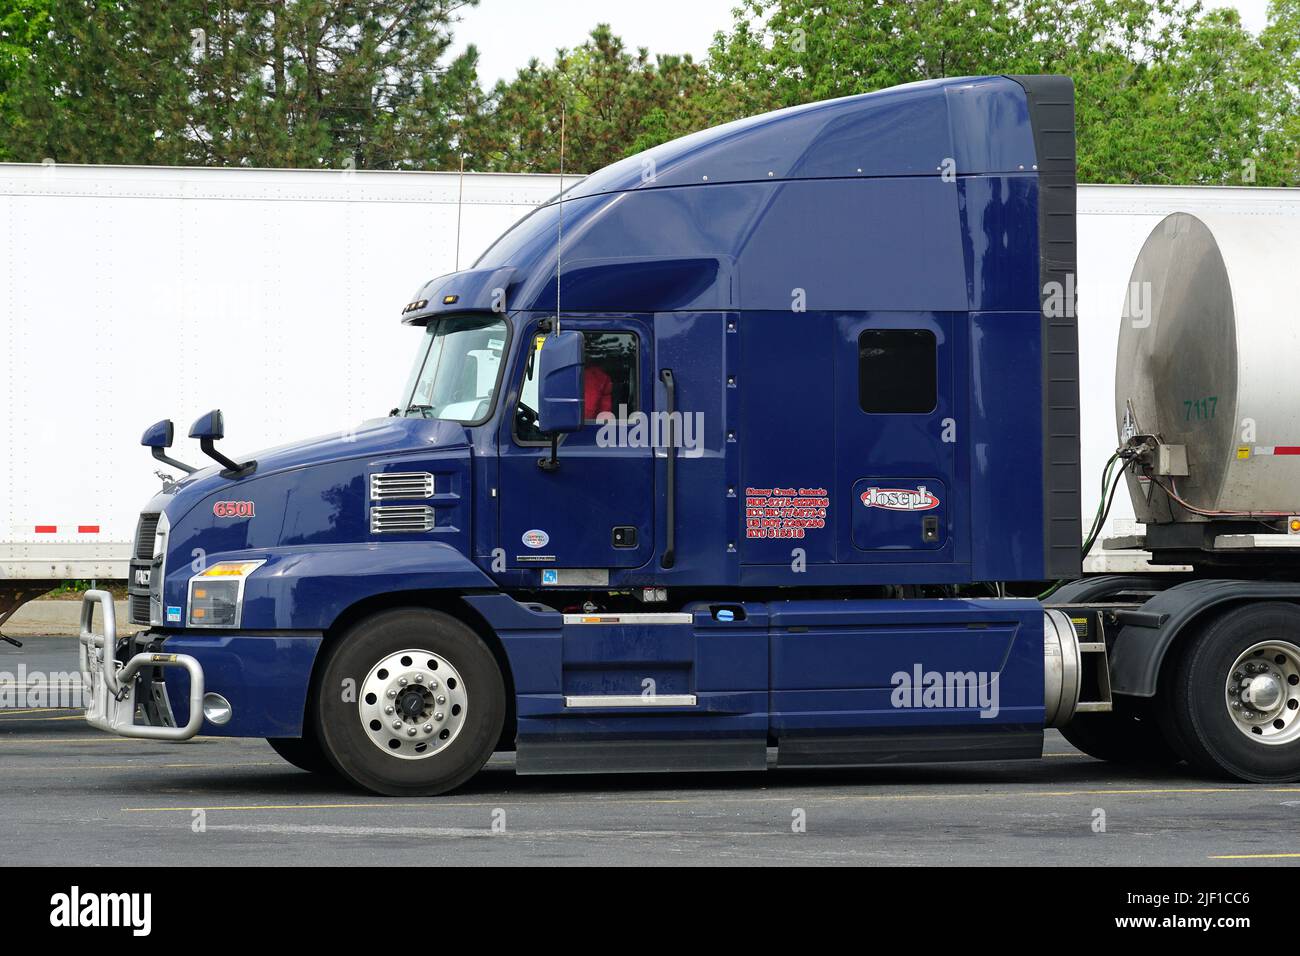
(1231, 701)
(410, 702)
(1129, 734)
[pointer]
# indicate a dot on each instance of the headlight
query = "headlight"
(216, 597)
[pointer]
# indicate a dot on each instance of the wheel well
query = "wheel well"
(448, 602)
(1198, 623)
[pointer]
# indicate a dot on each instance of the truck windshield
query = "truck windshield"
(456, 369)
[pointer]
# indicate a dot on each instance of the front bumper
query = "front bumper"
(110, 685)
(257, 681)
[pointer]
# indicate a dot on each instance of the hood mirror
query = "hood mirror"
(158, 437)
(211, 428)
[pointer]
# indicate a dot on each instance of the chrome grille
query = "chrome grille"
(401, 484)
(391, 519)
(144, 535)
(144, 586)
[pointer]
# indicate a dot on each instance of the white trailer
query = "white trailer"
(131, 294)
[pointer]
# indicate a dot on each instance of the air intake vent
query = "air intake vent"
(144, 534)
(407, 519)
(401, 484)
(139, 607)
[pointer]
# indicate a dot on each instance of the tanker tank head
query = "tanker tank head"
(158, 437)
(211, 428)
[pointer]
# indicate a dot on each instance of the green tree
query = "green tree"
(246, 82)
(615, 102)
(1165, 92)
(23, 25)
(1281, 41)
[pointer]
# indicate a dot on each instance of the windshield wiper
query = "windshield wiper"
(422, 409)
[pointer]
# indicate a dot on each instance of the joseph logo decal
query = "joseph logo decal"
(900, 499)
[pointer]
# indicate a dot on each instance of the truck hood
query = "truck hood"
(313, 491)
(373, 438)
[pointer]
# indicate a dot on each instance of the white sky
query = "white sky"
(509, 32)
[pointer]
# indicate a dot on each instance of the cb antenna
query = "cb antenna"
(559, 220)
(460, 199)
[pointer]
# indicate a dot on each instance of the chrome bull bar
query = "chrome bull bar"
(110, 686)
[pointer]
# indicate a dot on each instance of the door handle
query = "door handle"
(670, 387)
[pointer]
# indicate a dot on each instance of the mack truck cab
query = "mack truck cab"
(724, 458)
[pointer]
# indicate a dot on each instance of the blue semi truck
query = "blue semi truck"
(728, 455)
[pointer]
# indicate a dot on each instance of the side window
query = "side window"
(609, 381)
(897, 371)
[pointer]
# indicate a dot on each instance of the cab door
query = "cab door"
(595, 508)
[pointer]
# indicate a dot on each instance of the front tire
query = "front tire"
(303, 752)
(1232, 699)
(410, 702)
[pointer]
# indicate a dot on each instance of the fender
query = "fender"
(1104, 587)
(308, 588)
(1147, 633)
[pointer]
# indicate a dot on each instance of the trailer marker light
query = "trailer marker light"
(47, 529)
(450, 299)
(87, 529)
(1293, 524)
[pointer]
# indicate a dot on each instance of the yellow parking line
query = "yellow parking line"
(1257, 856)
(144, 765)
(37, 720)
(106, 739)
(269, 806)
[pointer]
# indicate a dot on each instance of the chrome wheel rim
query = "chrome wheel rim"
(1262, 692)
(413, 704)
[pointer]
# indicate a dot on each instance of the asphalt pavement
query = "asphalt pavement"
(72, 795)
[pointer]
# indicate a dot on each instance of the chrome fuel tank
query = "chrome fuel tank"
(1209, 358)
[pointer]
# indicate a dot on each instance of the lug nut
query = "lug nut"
(410, 731)
(397, 725)
(441, 699)
(428, 728)
(438, 716)
(433, 683)
(392, 694)
(389, 711)
(403, 681)
(419, 678)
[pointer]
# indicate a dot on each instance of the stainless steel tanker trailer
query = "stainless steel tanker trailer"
(1204, 651)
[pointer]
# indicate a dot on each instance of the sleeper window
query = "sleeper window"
(897, 371)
